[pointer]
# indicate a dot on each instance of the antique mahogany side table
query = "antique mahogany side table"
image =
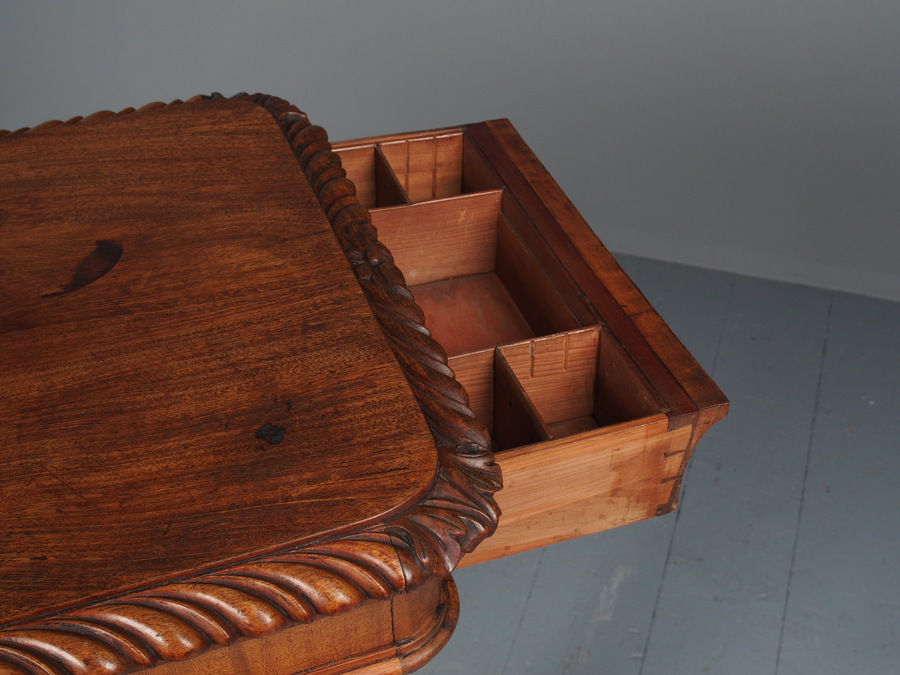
(229, 441)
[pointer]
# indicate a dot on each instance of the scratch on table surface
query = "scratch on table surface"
(69, 487)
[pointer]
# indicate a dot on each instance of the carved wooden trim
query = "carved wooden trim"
(185, 617)
(420, 650)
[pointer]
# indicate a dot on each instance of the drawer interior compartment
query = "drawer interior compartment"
(592, 404)
(537, 365)
(414, 168)
(552, 387)
(375, 181)
(475, 280)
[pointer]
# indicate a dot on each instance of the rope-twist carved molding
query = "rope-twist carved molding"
(181, 619)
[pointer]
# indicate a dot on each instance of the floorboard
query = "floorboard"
(722, 597)
(843, 613)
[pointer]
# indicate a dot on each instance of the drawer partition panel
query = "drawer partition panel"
(552, 387)
(374, 178)
(428, 167)
(442, 239)
(578, 380)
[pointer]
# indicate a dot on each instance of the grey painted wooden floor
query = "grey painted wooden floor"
(784, 556)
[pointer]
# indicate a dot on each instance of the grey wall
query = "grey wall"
(757, 137)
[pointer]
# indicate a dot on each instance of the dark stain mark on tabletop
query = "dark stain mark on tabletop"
(93, 266)
(271, 433)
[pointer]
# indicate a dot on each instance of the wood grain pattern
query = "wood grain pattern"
(582, 484)
(441, 239)
(272, 591)
(185, 351)
(613, 403)
(428, 167)
(558, 372)
(517, 421)
(471, 313)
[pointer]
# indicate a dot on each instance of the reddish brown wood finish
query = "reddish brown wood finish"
(376, 638)
(211, 424)
(181, 352)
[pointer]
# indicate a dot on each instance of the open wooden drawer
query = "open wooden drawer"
(593, 404)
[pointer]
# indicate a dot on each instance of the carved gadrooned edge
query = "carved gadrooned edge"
(102, 114)
(183, 618)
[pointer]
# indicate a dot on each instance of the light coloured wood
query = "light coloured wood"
(623, 391)
(598, 475)
(388, 189)
(442, 239)
(583, 484)
(604, 604)
(475, 372)
(616, 415)
(424, 166)
(517, 421)
(558, 372)
(573, 425)
(429, 166)
(526, 273)
(471, 313)
(359, 163)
